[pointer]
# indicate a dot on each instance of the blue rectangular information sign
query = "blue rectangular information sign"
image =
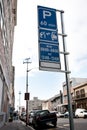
(49, 56)
(47, 17)
(49, 53)
(48, 36)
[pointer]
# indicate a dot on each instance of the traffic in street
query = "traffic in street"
(52, 120)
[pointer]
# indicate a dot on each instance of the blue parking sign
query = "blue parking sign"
(49, 57)
(47, 17)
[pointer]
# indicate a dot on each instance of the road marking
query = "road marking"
(60, 126)
(66, 125)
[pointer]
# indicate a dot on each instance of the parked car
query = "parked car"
(66, 114)
(59, 114)
(23, 116)
(39, 118)
(81, 113)
(54, 112)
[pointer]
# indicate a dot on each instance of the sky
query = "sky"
(44, 84)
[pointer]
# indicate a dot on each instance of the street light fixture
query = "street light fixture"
(27, 94)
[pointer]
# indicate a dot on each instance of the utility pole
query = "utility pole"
(26, 61)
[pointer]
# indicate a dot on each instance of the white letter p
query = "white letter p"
(46, 14)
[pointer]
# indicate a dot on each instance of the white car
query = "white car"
(81, 113)
(66, 114)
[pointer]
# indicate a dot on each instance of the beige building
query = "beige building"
(52, 103)
(8, 14)
(47, 105)
(59, 102)
(80, 95)
(78, 90)
(35, 104)
(74, 83)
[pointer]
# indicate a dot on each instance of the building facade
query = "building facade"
(47, 105)
(52, 103)
(35, 104)
(8, 14)
(74, 82)
(78, 90)
(80, 95)
(59, 102)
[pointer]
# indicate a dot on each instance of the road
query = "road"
(79, 123)
(63, 124)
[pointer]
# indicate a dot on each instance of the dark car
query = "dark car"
(38, 118)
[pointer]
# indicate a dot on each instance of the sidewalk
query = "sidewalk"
(16, 125)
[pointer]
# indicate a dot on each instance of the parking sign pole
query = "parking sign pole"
(67, 77)
(47, 57)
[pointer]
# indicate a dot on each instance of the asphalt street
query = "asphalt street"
(63, 124)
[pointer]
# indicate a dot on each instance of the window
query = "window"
(77, 94)
(82, 91)
(65, 99)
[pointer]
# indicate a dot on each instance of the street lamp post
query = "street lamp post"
(26, 94)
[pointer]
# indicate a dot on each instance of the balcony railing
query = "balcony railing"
(80, 96)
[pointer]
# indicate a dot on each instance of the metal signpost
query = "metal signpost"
(49, 56)
(67, 75)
